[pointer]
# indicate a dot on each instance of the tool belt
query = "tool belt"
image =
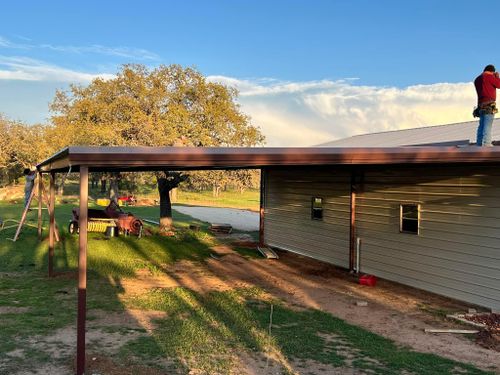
(485, 109)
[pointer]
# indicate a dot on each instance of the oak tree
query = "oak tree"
(153, 107)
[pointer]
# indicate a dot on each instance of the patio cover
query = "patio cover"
(99, 159)
(183, 158)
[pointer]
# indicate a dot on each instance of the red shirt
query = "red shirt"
(486, 87)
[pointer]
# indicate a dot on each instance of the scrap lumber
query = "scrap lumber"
(461, 318)
(221, 228)
(267, 252)
(149, 221)
(444, 330)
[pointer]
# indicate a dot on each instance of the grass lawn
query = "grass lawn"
(205, 333)
(248, 200)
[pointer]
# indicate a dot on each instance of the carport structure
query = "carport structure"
(128, 159)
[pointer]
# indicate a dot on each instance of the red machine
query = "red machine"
(111, 216)
(128, 200)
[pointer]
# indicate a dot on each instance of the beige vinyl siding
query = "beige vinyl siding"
(288, 223)
(457, 253)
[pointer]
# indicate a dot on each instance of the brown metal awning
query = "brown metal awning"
(185, 158)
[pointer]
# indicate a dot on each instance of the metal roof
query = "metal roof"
(185, 158)
(463, 133)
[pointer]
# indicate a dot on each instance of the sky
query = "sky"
(308, 72)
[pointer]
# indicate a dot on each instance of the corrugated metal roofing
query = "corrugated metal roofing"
(177, 158)
(463, 133)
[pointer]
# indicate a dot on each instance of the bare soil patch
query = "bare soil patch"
(394, 311)
(131, 319)
(100, 364)
(13, 310)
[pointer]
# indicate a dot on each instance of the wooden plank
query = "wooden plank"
(267, 252)
(444, 330)
(23, 216)
(221, 228)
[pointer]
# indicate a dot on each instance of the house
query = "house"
(428, 217)
(459, 134)
(433, 226)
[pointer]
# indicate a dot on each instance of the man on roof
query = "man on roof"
(486, 87)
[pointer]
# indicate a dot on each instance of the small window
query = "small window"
(409, 218)
(317, 208)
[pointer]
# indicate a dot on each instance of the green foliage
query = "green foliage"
(21, 146)
(167, 105)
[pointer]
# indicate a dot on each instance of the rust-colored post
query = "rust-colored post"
(40, 197)
(82, 271)
(352, 240)
(263, 173)
(52, 221)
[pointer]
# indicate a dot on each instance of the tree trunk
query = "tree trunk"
(60, 188)
(167, 182)
(103, 186)
(173, 195)
(165, 205)
(216, 191)
(113, 189)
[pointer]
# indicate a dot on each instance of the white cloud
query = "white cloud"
(308, 113)
(127, 52)
(26, 69)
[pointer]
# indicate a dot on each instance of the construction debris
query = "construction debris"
(444, 330)
(490, 321)
(221, 228)
(194, 227)
(267, 252)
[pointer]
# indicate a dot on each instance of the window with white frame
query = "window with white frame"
(409, 214)
(317, 208)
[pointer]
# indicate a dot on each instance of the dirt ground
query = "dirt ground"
(393, 311)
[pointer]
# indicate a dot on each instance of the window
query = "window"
(409, 218)
(317, 208)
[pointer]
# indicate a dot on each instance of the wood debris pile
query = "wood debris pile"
(491, 321)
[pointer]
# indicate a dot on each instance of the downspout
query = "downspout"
(352, 228)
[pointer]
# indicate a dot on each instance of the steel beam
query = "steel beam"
(52, 221)
(263, 175)
(82, 271)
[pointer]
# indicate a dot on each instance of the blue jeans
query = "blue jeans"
(484, 129)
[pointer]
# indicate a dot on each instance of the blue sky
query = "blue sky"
(331, 68)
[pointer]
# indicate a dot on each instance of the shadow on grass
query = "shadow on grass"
(202, 331)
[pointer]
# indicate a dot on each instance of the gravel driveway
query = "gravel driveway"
(239, 219)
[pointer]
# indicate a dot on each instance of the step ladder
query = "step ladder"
(27, 208)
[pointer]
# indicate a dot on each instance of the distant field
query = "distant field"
(248, 200)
